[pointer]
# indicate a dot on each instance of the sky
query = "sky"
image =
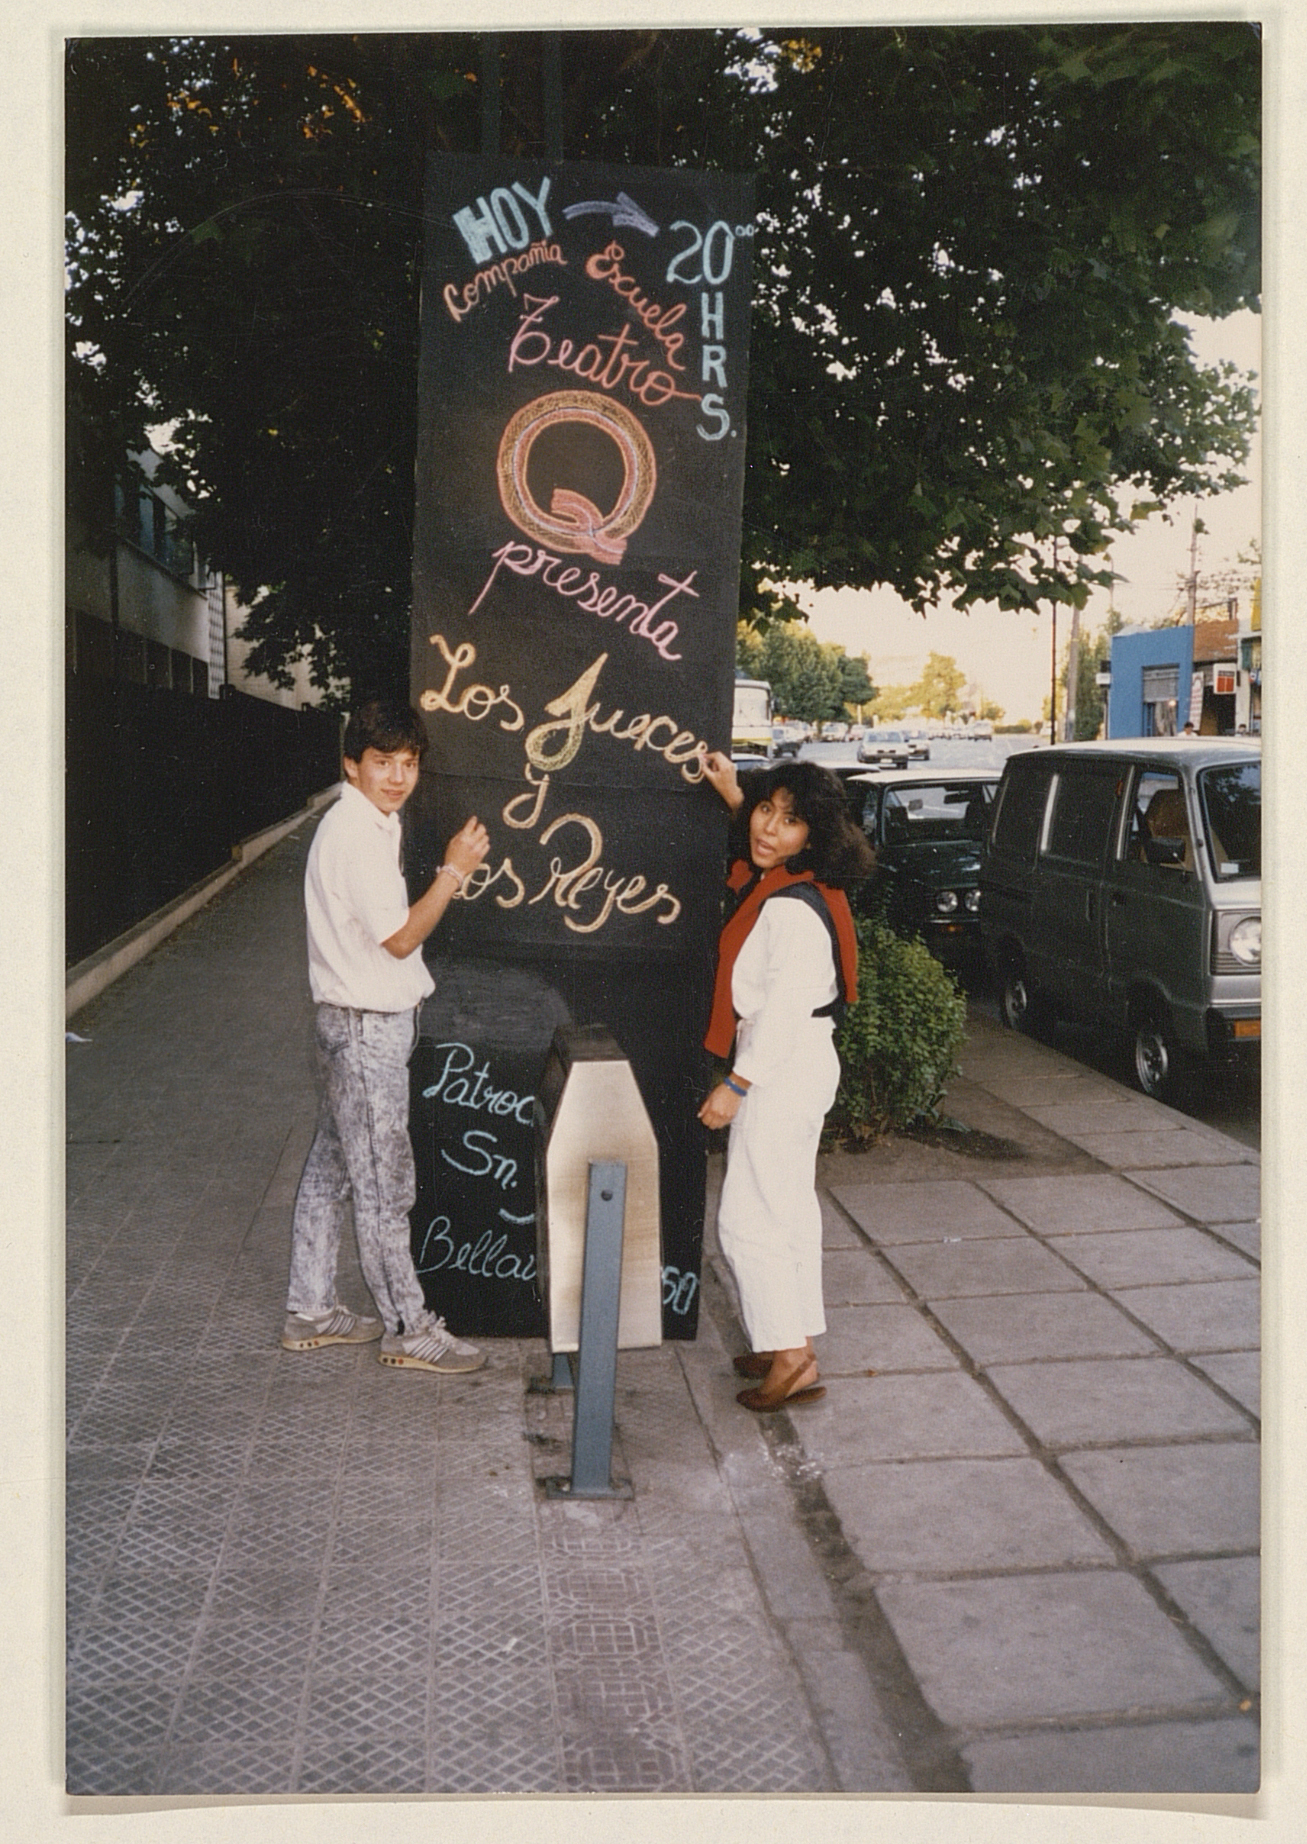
(1008, 654)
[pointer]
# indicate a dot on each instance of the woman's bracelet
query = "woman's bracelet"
(734, 1087)
(454, 872)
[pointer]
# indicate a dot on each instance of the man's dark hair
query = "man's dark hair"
(837, 852)
(386, 725)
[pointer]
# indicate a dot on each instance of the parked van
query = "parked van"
(1120, 886)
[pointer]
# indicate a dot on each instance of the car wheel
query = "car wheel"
(1017, 1004)
(1155, 1054)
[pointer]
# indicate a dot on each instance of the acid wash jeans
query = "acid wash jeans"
(361, 1151)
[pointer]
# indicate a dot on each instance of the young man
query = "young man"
(368, 981)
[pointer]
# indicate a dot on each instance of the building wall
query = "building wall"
(1137, 652)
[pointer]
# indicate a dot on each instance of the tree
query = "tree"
(810, 681)
(971, 243)
(938, 692)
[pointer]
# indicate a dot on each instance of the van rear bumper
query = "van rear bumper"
(1234, 1034)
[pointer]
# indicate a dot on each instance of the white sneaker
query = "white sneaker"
(337, 1326)
(430, 1346)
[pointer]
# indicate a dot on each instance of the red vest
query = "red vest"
(721, 1025)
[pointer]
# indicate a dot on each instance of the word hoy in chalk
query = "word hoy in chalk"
(499, 223)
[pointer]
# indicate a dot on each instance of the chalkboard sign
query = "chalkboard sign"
(576, 565)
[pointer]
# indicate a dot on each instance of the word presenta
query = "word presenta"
(609, 603)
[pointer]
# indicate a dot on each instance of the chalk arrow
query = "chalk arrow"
(624, 211)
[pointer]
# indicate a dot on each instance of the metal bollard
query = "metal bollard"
(598, 1240)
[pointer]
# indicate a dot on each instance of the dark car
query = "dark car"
(888, 748)
(927, 826)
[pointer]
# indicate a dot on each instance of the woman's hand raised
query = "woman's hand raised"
(719, 772)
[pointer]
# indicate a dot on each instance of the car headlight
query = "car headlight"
(972, 901)
(1246, 941)
(946, 901)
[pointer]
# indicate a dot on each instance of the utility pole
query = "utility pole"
(1072, 674)
(1052, 696)
(1192, 585)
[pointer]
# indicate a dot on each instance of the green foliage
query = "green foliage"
(811, 680)
(971, 246)
(898, 1045)
(939, 689)
(937, 693)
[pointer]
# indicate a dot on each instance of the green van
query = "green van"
(1120, 886)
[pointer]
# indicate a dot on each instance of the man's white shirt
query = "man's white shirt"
(355, 898)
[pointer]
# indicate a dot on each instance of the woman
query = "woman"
(784, 970)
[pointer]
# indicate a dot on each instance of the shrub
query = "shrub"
(898, 1045)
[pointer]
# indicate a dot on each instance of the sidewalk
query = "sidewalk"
(1014, 1549)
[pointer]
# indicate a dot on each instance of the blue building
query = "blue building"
(1152, 678)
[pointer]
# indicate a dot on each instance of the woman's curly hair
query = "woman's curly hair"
(837, 852)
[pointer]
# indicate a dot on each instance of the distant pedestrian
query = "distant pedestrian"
(1188, 731)
(784, 971)
(368, 980)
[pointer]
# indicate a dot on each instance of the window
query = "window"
(937, 811)
(1232, 811)
(1082, 813)
(1159, 832)
(1021, 813)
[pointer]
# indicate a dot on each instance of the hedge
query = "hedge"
(898, 1045)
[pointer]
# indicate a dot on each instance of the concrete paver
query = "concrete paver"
(928, 1415)
(853, 1277)
(1218, 1756)
(924, 1212)
(880, 1338)
(1238, 1373)
(1025, 1326)
(1200, 1315)
(1228, 1194)
(1222, 1598)
(1244, 1236)
(1062, 1206)
(1089, 1401)
(300, 1573)
(962, 1514)
(1192, 1499)
(943, 1271)
(1010, 1648)
(1152, 1257)
(1166, 1146)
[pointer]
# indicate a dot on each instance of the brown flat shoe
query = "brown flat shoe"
(752, 1363)
(782, 1395)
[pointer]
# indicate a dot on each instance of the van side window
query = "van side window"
(1082, 813)
(1159, 832)
(1021, 814)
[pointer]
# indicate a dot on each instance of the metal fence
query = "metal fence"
(161, 787)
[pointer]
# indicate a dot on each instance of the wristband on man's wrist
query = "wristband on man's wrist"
(734, 1087)
(454, 872)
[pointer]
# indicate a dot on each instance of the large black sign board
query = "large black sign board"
(576, 566)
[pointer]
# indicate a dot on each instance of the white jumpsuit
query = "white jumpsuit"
(769, 1219)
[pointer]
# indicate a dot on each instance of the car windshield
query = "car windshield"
(1232, 818)
(931, 812)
